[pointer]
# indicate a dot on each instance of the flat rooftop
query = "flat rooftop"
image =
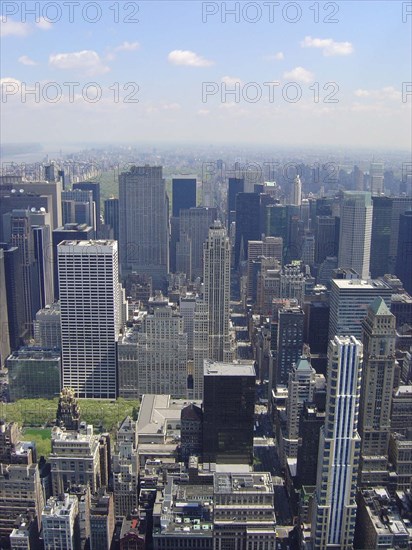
(156, 410)
(237, 368)
(227, 483)
(351, 284)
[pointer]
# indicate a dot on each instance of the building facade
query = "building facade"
(334, 513)
(91, 316)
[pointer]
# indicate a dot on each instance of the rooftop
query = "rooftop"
(227, 483)
(237, 368)
(358, 284)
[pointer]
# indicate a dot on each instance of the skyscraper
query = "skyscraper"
(17, 327)
(143, 217)
(379, 335)
(296, 195)
(289, 341)
(91, 316)
(326, 237)
(381, 236)
(217, 291)
(376, 177)
(162, 352)
(94, 187)
(355, 232)
(235, 186)
(183, 194)
(400, 205)
(194, 224)
(228, 412)
(4, 317)
(72, 232)
(349, 301)
(301, 389)
(248, 213)
(334, 514)
(78, 207)
(111, 215)
(404, 256)
(19, 233)
(269, 247)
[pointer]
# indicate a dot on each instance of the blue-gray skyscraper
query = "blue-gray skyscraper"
(144, 228)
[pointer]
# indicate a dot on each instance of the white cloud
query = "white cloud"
(387, 93)
(43, 24)
(25, 60)
(13, 28)
(203, 112)
(188, 58)
(10, 88)
(328, 46)
(231, 80)
(127, 47)
(300, 74)
(87, 61)
(279, 56)
(9, 80)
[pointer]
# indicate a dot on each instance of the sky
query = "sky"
(272, 73)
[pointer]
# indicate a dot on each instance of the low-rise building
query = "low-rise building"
(378, 523)
(34, 373)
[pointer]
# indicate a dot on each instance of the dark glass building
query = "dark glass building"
(290, 341)
(14, 292)
(326, 237)
(183, 195)
(236, 185)
(248, 213)
(228, 412)
(111, 215)
(404, 255)
(381, 236)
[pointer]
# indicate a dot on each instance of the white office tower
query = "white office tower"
(334, 513)
(296, 195)
(162, 352)
(58, 521)
(376, 177)
(355, 232)
(143, 223)
(216, 278)
(91, 304)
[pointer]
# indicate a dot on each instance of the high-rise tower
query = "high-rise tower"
(334, 514)
(216, 278)
(296, 195)
(355, 232)
(379, 335)
(143, 223)
(91, 316)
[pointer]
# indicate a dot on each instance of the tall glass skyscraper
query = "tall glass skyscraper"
(355, 232)
(143, 223)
